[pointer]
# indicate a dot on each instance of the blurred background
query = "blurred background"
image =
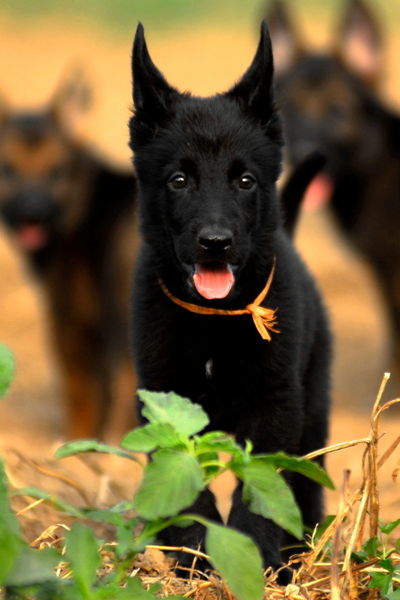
(202, 47)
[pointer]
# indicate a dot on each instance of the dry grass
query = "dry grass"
(326, 569)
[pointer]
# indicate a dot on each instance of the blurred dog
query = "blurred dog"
(330, 104)
(72, 215)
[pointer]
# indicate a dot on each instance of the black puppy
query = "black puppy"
(213, 237)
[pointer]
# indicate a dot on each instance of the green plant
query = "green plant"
(385, 573)
(7, 367)
(183, 463)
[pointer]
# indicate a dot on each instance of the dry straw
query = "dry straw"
(326, 571)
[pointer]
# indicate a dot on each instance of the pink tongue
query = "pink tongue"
(213, 283)
(318, 192)
(31, 237)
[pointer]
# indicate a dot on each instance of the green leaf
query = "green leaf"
(7, 366)
(269, 495)
(371, 546)
(322, 527)
(217, 441)
(171, 482)
(56, 502)
(186, 417)
(393, 595)
(82, 552)
(237, 559)
(387, 564)
(382, 581)
(80, 446)
(210, 463)
(305, 467)
(389, 527)
(151, 436)
(33, 567)
(10, 537)
(109, 591)
(103, 516)
(152, 528)
(121, 507)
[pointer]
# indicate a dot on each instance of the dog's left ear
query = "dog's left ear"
(152, 94)
(286, 43)
(254, 91)
(72, 98)
(359, 41)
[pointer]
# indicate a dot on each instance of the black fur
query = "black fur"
(274, 393)
(330, 104)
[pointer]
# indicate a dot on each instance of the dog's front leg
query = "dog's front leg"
(271, 426)
(193, 536)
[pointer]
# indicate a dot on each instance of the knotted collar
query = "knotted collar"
(264, 318)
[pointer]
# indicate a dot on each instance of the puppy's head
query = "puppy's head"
(327, 97)
(41, 169)
(207, 169)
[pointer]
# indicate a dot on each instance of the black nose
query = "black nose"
(34, 205)
(215, 240)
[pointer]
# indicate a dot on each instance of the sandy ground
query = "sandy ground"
(31, 416)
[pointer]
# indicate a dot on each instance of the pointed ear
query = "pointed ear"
(360, 41)
(286, 42)
(152, 94)
(72, 98)
(254, 91)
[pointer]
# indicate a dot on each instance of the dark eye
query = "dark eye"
(246, 181)
(178, 181)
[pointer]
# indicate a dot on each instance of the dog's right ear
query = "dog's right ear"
(152, 94)
(254, 91)
(359, 41)
(286, 43)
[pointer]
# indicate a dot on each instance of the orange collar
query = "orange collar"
(264, 318)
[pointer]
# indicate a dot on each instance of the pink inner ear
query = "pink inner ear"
(283, 50)
(361, 54)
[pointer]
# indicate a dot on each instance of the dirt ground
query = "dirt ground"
(31, 416)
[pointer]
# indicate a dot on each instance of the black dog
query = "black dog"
(324, 95)
(212, 233)
(330, 104)
(72, 215)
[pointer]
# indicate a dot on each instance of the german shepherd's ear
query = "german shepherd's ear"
(286, 43)
(152, 94)
(254, 92)
(72, 98)
(359, 41)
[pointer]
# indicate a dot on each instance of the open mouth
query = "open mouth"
(31, 236)
(318, 192)
(213, 280)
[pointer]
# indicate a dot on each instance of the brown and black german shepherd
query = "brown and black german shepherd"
(73, 215)
(330, 103)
